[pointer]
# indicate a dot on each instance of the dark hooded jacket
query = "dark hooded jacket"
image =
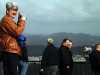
(50, 56)
(22, 43)
(65, 59)
(94, 58)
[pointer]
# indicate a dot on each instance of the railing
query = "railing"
(80, 68)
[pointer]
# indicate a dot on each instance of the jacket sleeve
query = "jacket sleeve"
(44, 59)
(13, 28)
(67, 58)
(92, 60)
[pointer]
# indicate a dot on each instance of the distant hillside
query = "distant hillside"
(37, 43)
(37, 50)
(78, 39)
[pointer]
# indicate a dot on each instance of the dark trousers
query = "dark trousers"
(64, 71)
(52, 70)
(97, 73)
(1, 68)
(10, 64)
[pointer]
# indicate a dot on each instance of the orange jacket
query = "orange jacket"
(9, 31)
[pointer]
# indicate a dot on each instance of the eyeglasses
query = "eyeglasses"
(15, 9)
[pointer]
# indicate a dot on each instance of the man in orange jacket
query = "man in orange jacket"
(9, 31)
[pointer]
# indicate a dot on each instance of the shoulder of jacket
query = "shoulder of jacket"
(6, 18)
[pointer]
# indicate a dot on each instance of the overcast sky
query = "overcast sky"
(51, 16)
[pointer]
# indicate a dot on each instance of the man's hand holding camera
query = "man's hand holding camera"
(21, 17)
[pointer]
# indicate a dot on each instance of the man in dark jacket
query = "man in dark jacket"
(95, 60)
(50, 59)
(23, 65)
(66, 62)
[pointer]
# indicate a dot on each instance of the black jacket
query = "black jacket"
(50, 56)
(65, 58)
(24, 55)
(95, 60)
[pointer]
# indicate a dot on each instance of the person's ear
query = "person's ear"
(6, 11)
(64, 44)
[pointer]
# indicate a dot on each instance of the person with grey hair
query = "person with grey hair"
(50, 59)
(9, 32)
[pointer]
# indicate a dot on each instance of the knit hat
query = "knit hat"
(50, 40)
